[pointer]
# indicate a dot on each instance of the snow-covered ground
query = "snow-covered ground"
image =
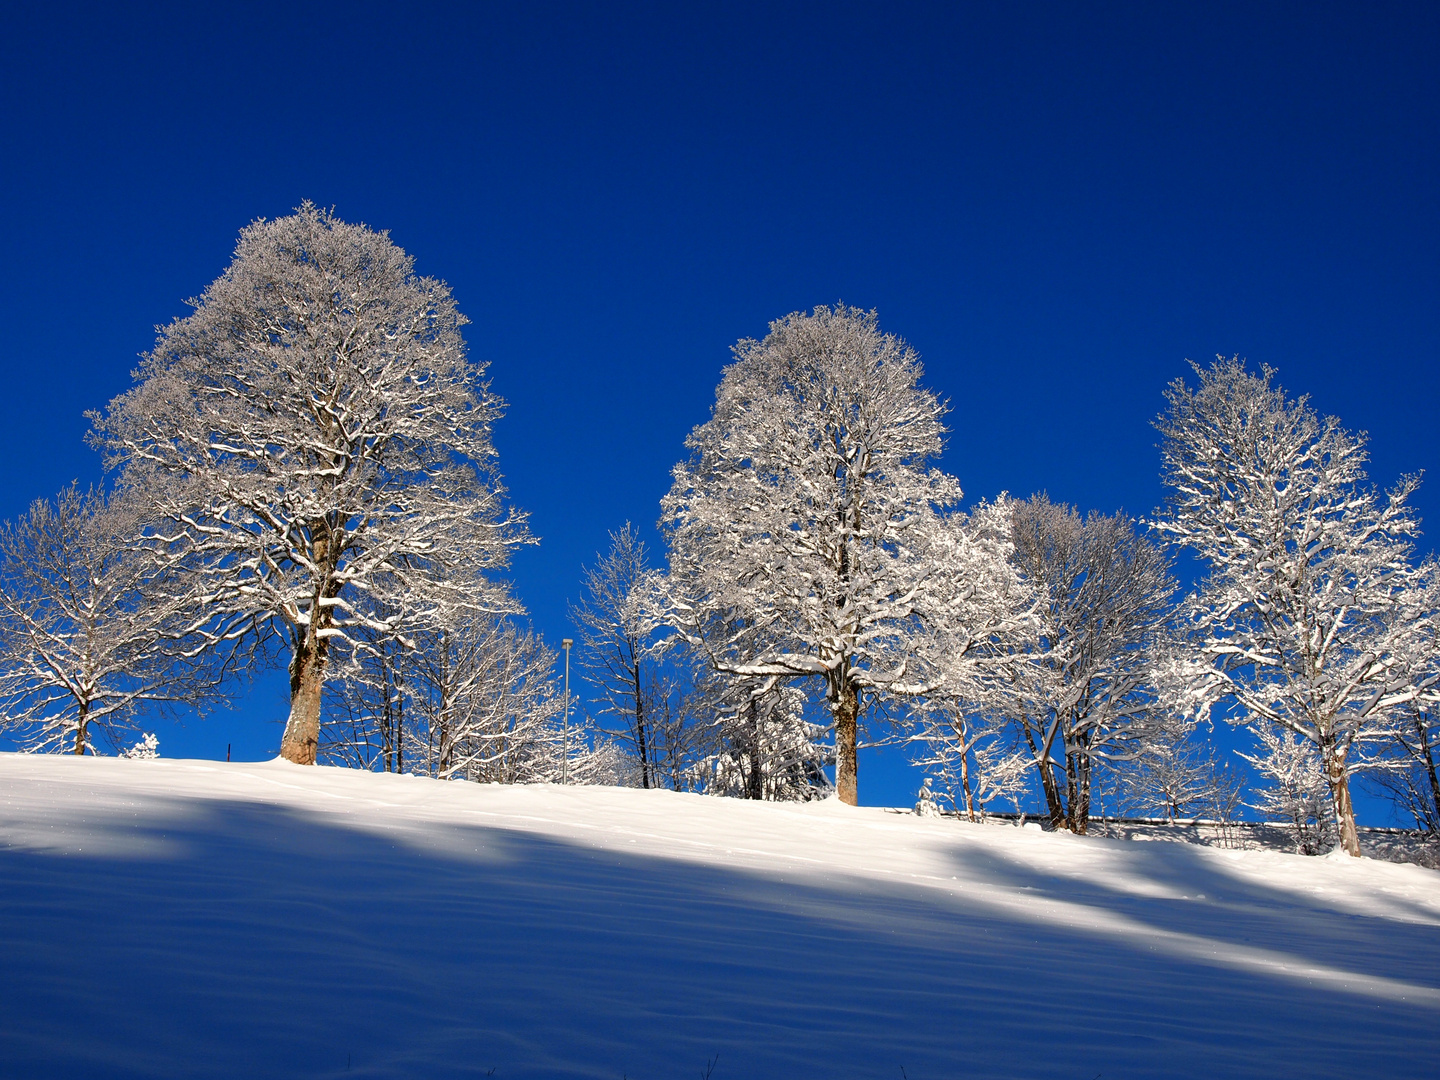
(196, 919)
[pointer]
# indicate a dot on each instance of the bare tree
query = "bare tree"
(1314, 615)
(979, 608)
(675, 712)
(490, 702)
(91, 628)
(312, 434)
(367, 718)
(975, 759)
(1406, 770)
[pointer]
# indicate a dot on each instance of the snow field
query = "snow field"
(199, 919)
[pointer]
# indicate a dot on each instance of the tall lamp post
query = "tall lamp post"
(565, 644)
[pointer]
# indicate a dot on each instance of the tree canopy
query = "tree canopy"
(315, 440)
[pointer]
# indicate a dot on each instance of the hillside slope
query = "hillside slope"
(197, 919)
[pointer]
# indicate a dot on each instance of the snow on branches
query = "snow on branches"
(618, 631)
(801, 526)
(318, 445)
(473, 696)
(1082, 692)
(1063, 681)
(92, 628)
(1314, 616)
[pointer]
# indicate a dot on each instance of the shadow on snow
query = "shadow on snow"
(239, 939)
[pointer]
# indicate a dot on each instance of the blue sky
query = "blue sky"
(1055, 206)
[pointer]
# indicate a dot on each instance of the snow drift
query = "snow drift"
(197, 919)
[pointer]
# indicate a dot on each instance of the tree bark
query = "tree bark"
(307, 680)
(640, 738)
(1072, 794)
(1340, 791)
(80, 724)
(847, 714)
(1041, 754)
(965, 766)
(1080, 802)
(1434, 816)
(755, 778)
(307, 667)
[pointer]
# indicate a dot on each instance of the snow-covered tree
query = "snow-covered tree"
(675, 712)
(603, 763)
(978, 607)
(1079, 690)
(147, 748)
(472, 696)
(314, 435)
(975, 759)
(618, 645)
(91, 628)
(490, 702)
(1294, 790)
(797, 525)
(1314, 615)
(1178, 773)
(765, 743)
(367, 715)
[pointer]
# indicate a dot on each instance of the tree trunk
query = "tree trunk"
(447, 746)
(387, 717)
(385, 737)
(307, 680)
(640, 739)
(1041, 753)
(847, 715)
(1072, 793)
(307, 666)
(399, 740)
(81, 722)
(1080, 803)
(965, 766)
(1339, 783)
(847, 707)
(755, 779)
(1434, 816)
